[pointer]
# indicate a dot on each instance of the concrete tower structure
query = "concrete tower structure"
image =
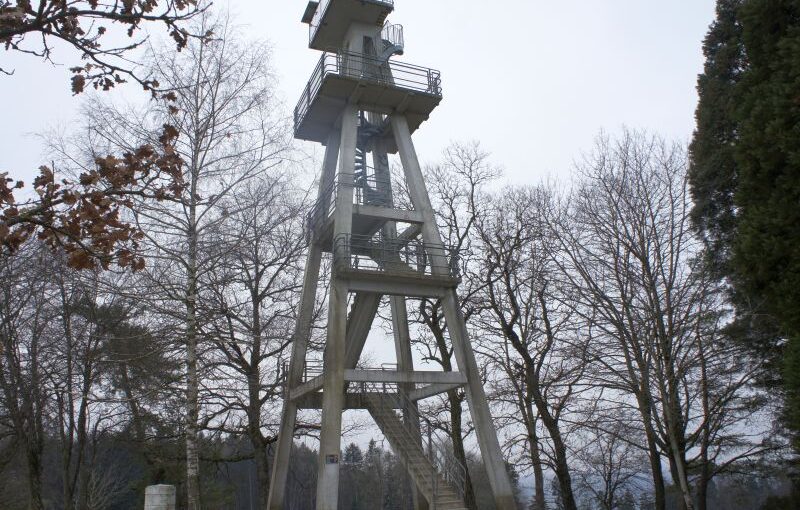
(363, 105)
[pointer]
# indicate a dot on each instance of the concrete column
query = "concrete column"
(335, 348)
(418, 190)
(159, 497)
(280, 468)
(479, 407)
(365, 306)
(329, 166)
(399, 309)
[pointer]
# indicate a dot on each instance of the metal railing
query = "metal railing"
(367, 190)
(311, 369)
(439, 454)
(396, 256)
(322, 8)
(392, 35)
(368, 69)
(442, 457)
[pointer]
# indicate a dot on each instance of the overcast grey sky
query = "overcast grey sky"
(533, 80)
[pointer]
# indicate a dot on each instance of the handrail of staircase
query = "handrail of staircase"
(368, 190)
(411, 416)
(393, 35)
(442, 458)
(450, 467)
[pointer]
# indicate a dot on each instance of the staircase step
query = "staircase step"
(426, 477)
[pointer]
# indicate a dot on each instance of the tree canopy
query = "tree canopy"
(83, 215)
(745, 173)
(84, 25)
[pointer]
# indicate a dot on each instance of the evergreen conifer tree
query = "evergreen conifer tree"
(745, 177)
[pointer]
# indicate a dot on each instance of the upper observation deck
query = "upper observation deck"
(329, 20)
(376, 84)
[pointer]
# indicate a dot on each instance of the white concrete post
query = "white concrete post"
(283, 451)
(335, 348)
(418, 192)
(479, 407)
(159, 497)
(399, 308)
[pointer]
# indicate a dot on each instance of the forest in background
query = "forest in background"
(148, 300)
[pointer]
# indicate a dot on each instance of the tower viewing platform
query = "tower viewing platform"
(329, 20)
(356, 68)
(381, 86)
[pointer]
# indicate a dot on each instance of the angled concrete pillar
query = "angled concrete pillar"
(300, 338)
(478, 405)
(335, 346)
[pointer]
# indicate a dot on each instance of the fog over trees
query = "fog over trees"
(147, 304)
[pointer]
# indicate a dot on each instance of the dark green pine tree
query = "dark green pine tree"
(766, 248)
(745, 178)
(712, 174)
(714, 177)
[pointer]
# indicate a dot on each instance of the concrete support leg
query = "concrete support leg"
(365, 306)
(479, 407)
(280, 468)
(405, 363)
(332, 402)
(335, 348)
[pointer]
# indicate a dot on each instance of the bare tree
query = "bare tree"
(75, 377)
(83, 25)
(629, 264)
(24, 292)
(611, 462)
(256, 291)
(230, 132)
(530, 334)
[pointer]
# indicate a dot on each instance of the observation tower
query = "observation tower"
(363, 105)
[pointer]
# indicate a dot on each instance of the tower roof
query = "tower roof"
(329, 20)
(311, 8)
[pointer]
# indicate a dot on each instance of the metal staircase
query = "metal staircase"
(392, 41)
(366, 133)
(442, 482)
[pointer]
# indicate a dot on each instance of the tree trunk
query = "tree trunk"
(257, 439)
(561, 466)
(677, 454)
(705, 471)
(536, 459)
(262, 467)
(653, 455)
(34, 458)
(192, 415)
(458, 447)
(192, 388)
